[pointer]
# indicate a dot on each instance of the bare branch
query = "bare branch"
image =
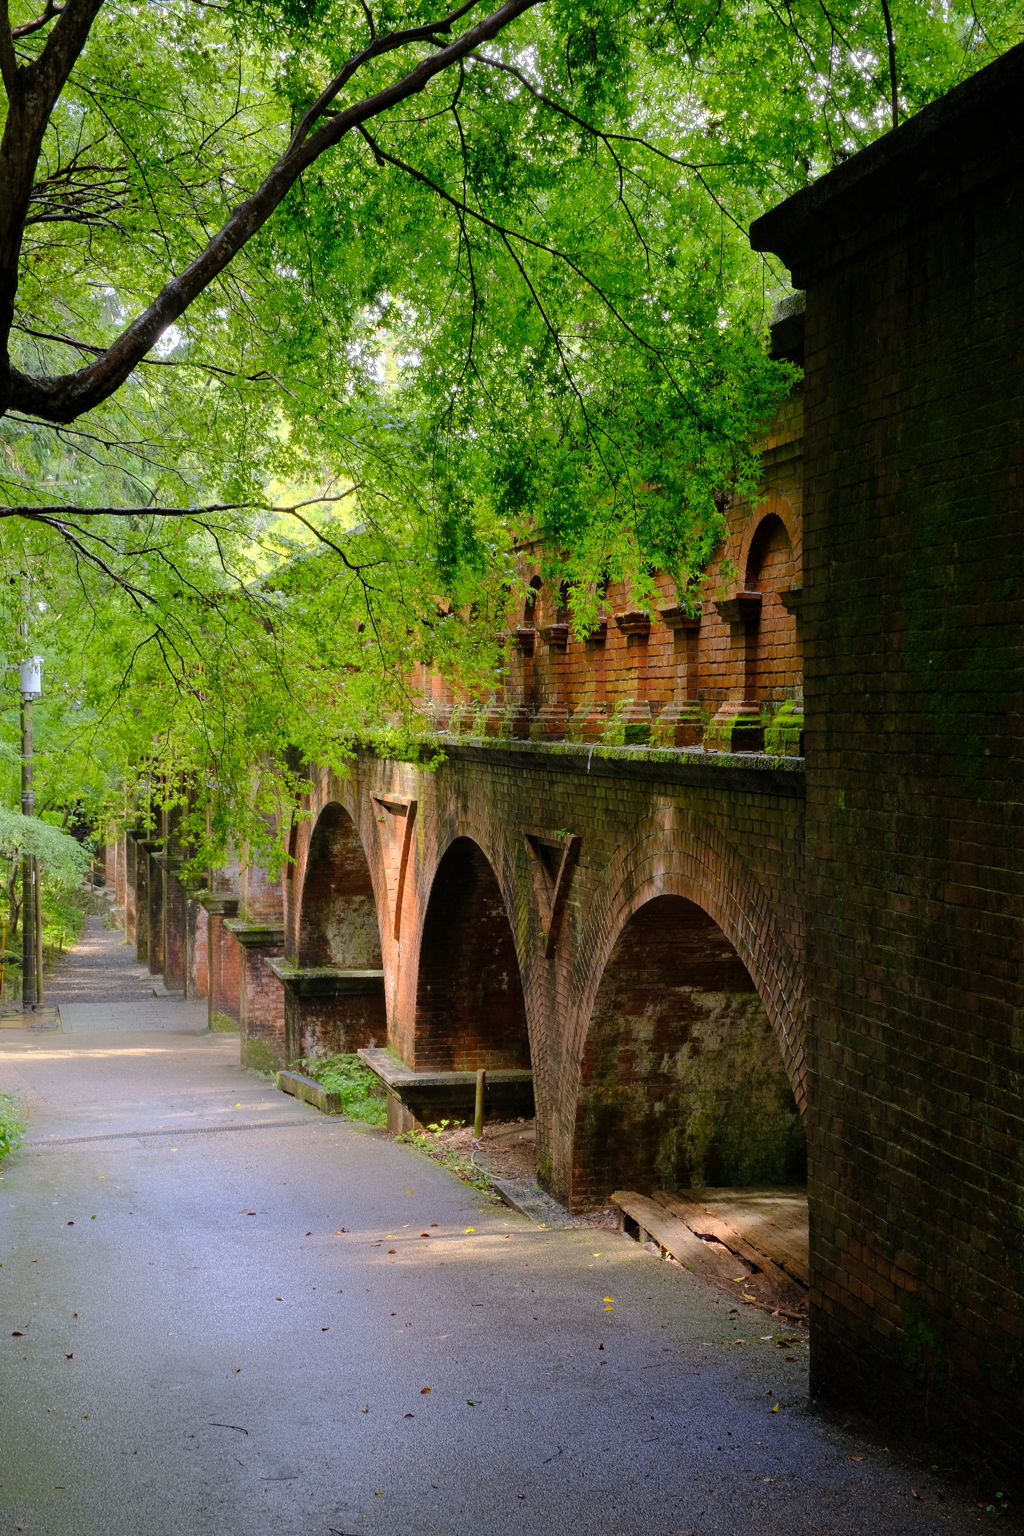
(41, 513)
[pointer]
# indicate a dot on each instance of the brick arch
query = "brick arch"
(327, 790)
(470, 1008)
(775, 506)
(679, 853)
(683, 981)
(338, 921)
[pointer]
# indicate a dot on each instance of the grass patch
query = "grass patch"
(12, 1130)
(363, 1095)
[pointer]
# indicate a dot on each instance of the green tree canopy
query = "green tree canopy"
(440, 279)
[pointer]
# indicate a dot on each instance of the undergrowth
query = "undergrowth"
(12, 1131)
(455, 1159)
(363, 1095)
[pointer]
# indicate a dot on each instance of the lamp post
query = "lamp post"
(31, 686)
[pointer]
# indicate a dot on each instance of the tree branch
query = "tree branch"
(64, 398)
(50, 11)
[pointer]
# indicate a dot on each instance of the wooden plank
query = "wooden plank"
(773, 1222)
(675, 1236)
(700, 1220)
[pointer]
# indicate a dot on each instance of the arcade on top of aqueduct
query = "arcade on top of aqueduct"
(719, 957)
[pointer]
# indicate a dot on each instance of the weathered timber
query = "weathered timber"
(707, 1259)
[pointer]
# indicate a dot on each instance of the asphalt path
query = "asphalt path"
(221, 1312)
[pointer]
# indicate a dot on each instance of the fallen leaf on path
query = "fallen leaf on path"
(470, 1403)
(424, 1391)
(327, 1329)
(17, 1335)
(69, 1357)
(213, 1423)
(916, 1494)
(776, 1408)
(856, 1458)
(392, 1250)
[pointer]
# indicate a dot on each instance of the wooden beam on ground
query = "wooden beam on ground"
(706, 1259)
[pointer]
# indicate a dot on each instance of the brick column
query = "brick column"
(223, 958)
(681, 722)
(131, 859)
(173, 921)
(197, 970)
(155, 903)
(261, 994)
(143, 847)
(327, 1009)
(737, 727)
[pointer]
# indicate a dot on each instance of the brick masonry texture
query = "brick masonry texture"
(913, 549)
(468, 980)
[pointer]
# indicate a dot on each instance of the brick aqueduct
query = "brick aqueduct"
(724, 957)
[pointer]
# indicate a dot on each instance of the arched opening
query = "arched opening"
(770, 571)
(334, 993)
(338, 920)
(682, 1080)
(469, 1003)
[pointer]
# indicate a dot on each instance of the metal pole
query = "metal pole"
(39, 931)
(28, 883)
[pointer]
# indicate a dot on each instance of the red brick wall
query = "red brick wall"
(914, 551)
(724, 838)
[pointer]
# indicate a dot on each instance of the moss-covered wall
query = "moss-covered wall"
(683, 1082)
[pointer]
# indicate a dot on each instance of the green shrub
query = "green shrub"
(362, 1093)
(12, 1131)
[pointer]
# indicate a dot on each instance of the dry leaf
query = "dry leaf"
(424, 1391)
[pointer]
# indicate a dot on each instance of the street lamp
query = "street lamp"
(30, 682)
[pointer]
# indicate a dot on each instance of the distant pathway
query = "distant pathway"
(100, 968)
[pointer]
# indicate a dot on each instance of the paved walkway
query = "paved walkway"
(100, 984)
(102, 967)
(223, 1313)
